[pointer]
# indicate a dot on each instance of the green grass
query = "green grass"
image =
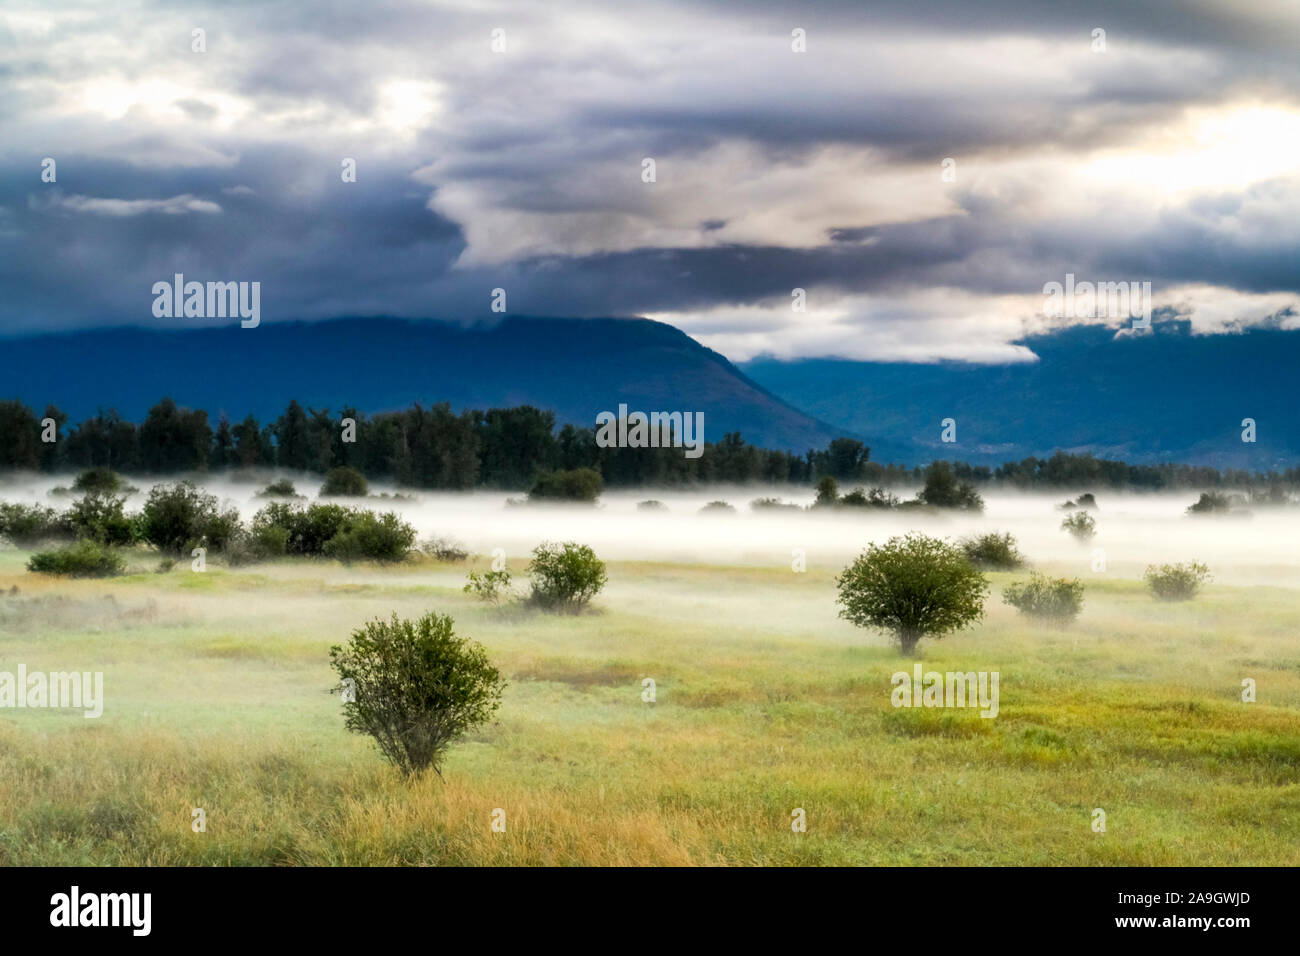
(216, 691)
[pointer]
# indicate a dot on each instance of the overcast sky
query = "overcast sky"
(1172, 156)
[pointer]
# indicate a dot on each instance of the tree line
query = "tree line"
(508, 448)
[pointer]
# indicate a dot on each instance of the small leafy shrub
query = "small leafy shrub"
(1211, 503)
(491, 587)
(565, 577)
(1176, 582)
(177, 517)
(443, 549)
(651, 505)
(371, 537)
(993, 551)
(27, 525)
(1058, 600)
(85, 559)
(579, 484)
(717, 508)
(279, 489)
(344, 482)
(102, 481)
(1081, 525)
(415, 687)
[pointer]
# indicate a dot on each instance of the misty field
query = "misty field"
(217, 689)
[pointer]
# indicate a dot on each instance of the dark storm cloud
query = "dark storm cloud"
(520, 170)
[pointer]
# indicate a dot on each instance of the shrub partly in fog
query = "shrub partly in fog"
(1211, 502)
(717, 508)
(86, 558)
(415, 687)
(1058, 600)
(914, 586)
(178, 517)
(828, 492)
(283, 488)
(101, 516)
(344, 482)
(651, 505)
(993, 551)
(349, 534)
(372, 537)
(943, 490)
(103, 481)
(565, 577)
(1081, 525)
(869, 498)
(27, 525)
(491, 587)
(772, 504)
(443, 549)
(1176, 582)
(578, 484)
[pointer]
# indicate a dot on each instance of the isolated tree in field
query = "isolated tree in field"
(414, 686)
(914, 587)
(1081, 525)
(828, 492)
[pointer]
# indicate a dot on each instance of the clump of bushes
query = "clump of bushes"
(443, 549)
(27, 525)
(1211, 502)
(102, 481)
(344, 482)
(283, 488)
(331, 530)
(1058, 600)
(993, 552)
(415, 687)
(1081, 525)
(913, 587)
(578, 484)
(717, 508)
(772, 504)
(1086, 501)
(84, 559)
(1176, 582)
(943, 490)
(869, 498)
(565, 577)
(491, 587)
(178, 517)
(368, 536)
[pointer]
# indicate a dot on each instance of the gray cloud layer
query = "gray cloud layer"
(1162, 159)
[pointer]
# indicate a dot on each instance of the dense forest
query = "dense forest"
(508, 448)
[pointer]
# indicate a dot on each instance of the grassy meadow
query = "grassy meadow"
(217, 696)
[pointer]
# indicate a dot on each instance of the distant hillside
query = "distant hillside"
(575, 367)
(1168, 396)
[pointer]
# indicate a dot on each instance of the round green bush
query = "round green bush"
(565, 577)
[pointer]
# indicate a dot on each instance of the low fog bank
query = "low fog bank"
(1133, 529)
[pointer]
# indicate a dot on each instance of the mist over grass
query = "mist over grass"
(216, 696)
